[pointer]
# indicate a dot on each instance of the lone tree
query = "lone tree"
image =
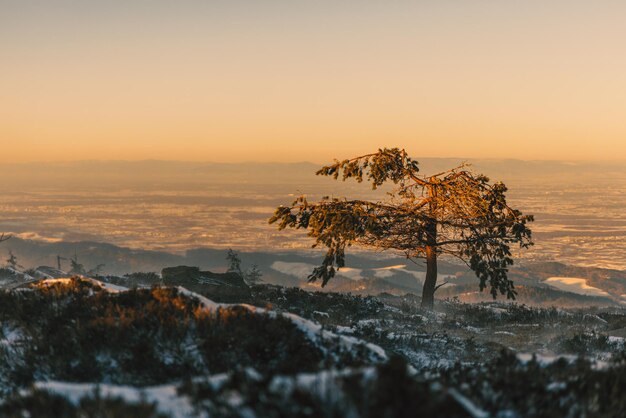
(234, 262)
(77, 268)
(251, 276)
(456, 213)
(12, 261)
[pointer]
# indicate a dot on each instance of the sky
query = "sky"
(292, 80)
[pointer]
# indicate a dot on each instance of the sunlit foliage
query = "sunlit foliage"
(457, 213)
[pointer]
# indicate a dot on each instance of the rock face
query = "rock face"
(221, 287)
(45, 272)
(186, 273)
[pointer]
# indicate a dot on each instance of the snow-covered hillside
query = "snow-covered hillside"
(69, 346)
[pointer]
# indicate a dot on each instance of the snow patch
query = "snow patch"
(574, 285)
(385, 272)
(165, 397)
(473, 410)
(10, 336)
(544, 360)
(351, 273)
(298, 270)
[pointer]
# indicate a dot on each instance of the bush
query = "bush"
(583, 344)
(74, 332)
(42, 404)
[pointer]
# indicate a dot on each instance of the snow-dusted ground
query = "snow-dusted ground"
(9, 336)
(10, 276)
(323, 385)
(166, 397)
(384, 272)
(574, 285)
(470, 335)
(313, 331)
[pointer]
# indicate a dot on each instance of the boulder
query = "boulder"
(220, 287)
(46, 272)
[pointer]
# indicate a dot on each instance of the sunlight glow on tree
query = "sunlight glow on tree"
(456, 213)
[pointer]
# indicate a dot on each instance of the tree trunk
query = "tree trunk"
(428, 291)
(430, 282)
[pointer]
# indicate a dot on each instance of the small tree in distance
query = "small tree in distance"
(234, 262)
(12, 261)
(456, 213)
(77, 268)
(251, 276)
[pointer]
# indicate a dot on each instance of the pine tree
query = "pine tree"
(77, 268)
(234, 262)
(12, 261)
(253, 275)
(455, 213)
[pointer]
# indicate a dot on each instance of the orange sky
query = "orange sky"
(294, 80)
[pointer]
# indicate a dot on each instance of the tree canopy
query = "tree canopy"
(456, 213)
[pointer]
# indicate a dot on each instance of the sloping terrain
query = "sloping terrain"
(77, 347)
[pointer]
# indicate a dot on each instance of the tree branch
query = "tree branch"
(440, 285)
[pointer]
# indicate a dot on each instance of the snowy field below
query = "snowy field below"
(574, 285)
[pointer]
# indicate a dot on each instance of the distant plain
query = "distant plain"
(178, 206)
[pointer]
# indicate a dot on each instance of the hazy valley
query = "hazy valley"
(176, 207)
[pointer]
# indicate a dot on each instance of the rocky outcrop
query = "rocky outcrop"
(221, 287)
(46, 272)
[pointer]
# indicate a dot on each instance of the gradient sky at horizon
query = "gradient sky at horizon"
(300, 80)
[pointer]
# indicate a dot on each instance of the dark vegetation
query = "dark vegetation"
(464, 358)
(532, 389)
(43, 404)
(323, 307)
(505, 386)
(359, 393)
(79, 333)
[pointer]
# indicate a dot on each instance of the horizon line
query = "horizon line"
(296, 162)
